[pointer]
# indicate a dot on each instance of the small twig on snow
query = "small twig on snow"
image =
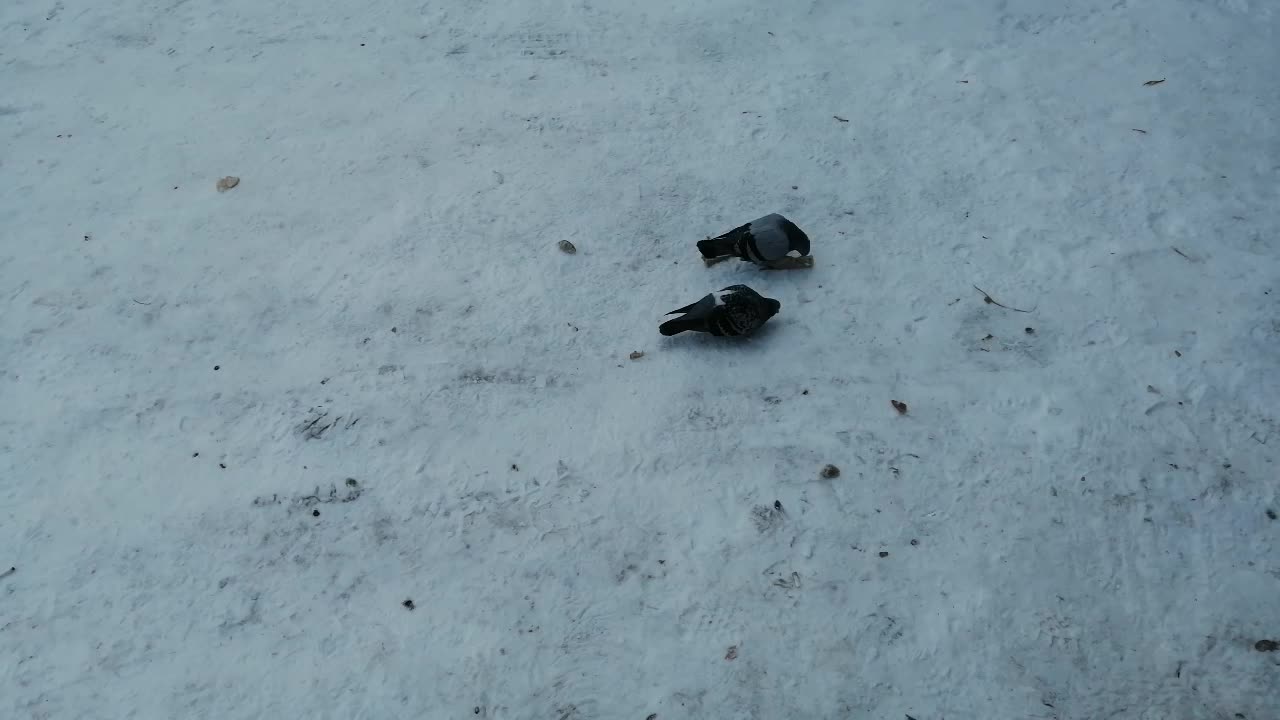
(1183, 254)
(991, 301)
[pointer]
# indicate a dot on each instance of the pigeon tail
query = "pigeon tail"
(679, 325)
(717, 247)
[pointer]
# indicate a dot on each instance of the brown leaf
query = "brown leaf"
(900, 406)
(1154, 82)
(731, 653)
(567, 247)
(227, 183)
(636, 354)
(829, 472)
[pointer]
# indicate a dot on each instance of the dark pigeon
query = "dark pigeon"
(733, 311)
(762, 241)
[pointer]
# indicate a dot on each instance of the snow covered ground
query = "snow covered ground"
(240, 430)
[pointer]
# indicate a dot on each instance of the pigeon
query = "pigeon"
(762, 241)
(733, 311)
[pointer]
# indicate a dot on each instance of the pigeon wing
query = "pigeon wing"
(701, 307)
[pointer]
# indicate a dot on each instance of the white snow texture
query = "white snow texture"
(240, 429)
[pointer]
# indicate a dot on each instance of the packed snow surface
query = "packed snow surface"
(354, 438)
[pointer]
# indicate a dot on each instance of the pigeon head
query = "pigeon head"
(771, 307)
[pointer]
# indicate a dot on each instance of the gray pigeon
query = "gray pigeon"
(735, 310)
(762, 241)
